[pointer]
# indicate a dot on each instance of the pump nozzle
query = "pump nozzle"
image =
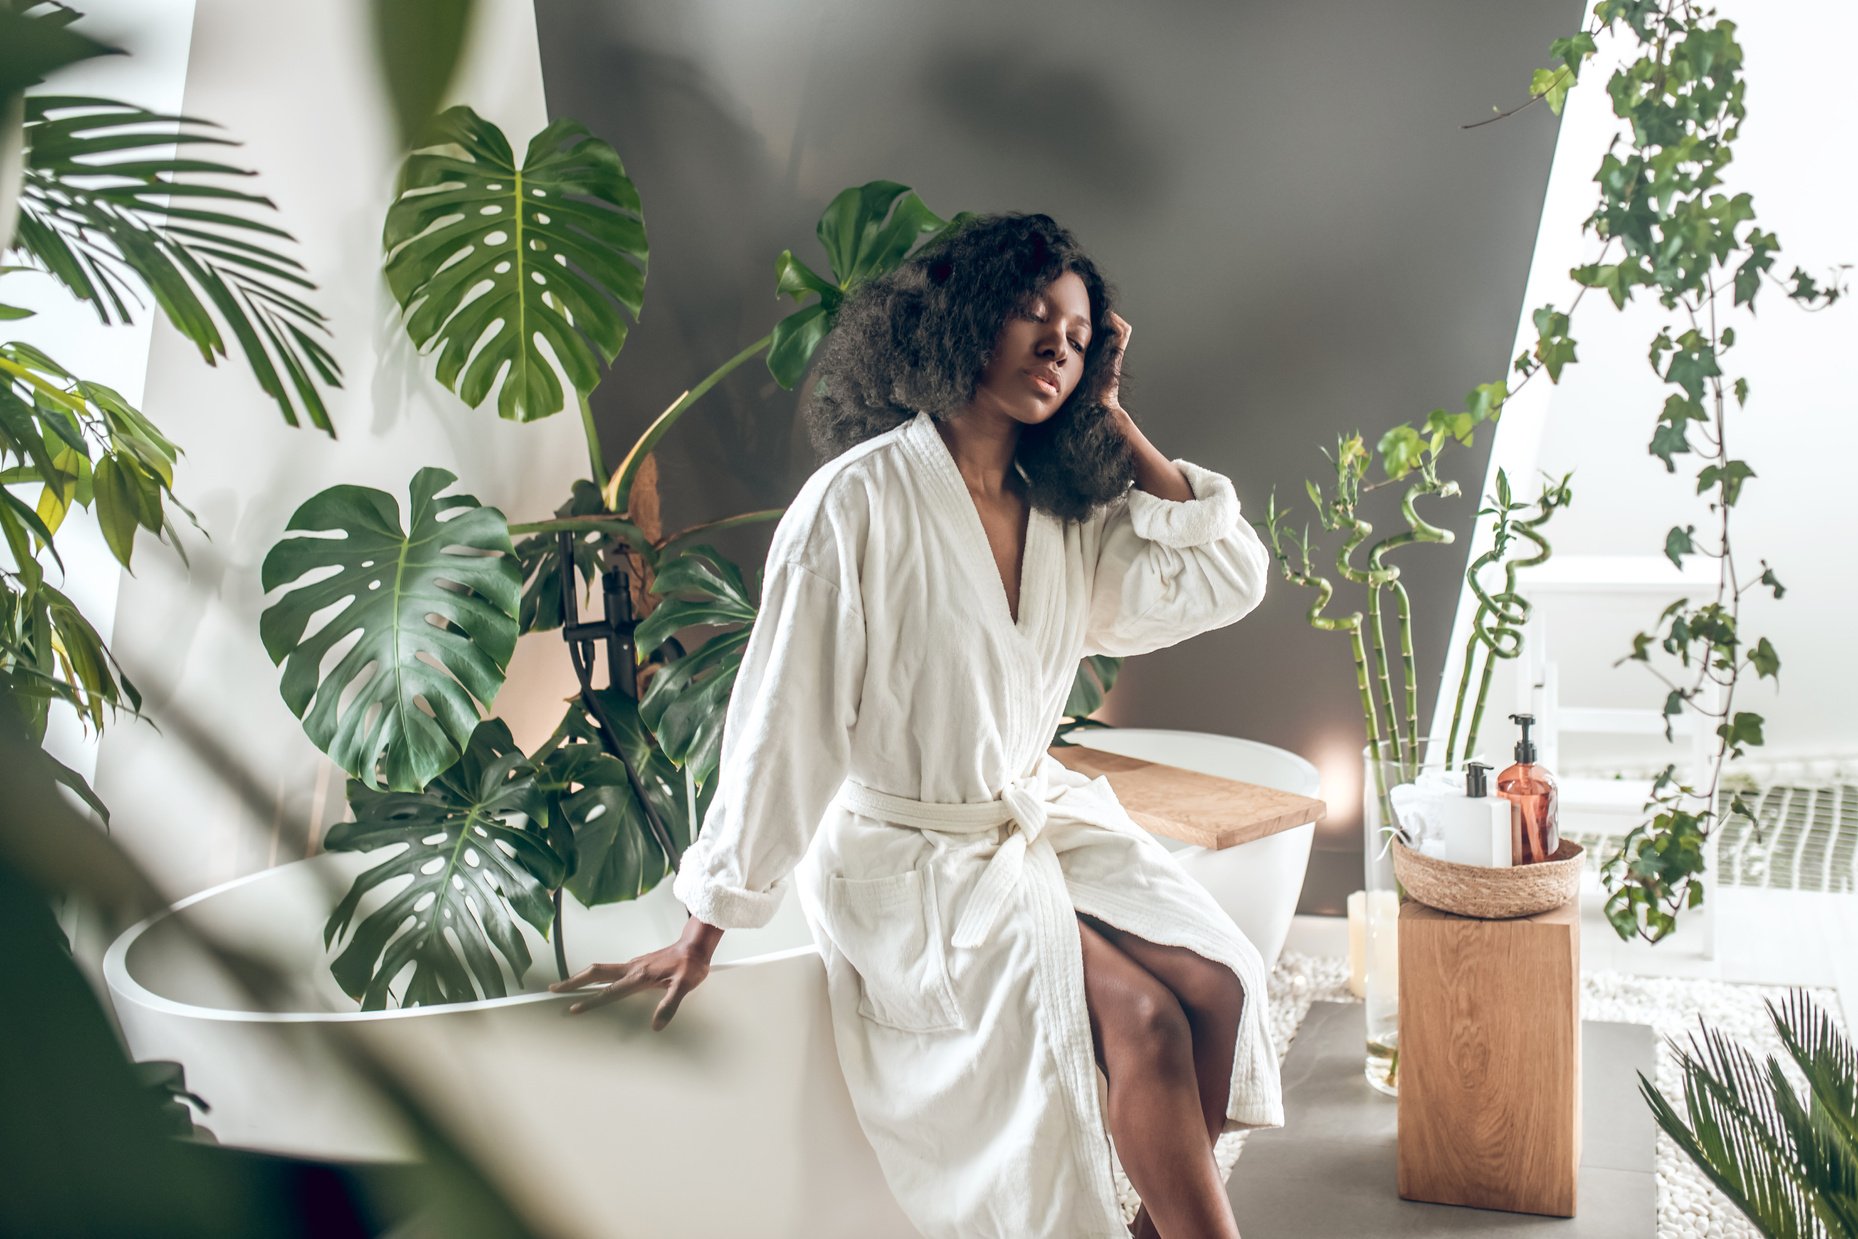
(1476, 784)
(1525, 747)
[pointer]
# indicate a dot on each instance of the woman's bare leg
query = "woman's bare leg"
(1145, 1047)
(1212, 998)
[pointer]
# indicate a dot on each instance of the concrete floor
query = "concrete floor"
(1330, 1171)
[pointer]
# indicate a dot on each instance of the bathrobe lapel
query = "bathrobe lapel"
(948, 492)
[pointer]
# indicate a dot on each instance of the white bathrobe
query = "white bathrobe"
(885, 669)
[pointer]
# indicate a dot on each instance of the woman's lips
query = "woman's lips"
(1043, 384)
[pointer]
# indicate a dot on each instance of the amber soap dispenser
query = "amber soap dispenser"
(1530, 789)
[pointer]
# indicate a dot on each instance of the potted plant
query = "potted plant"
(1396, 756)
(605, 807)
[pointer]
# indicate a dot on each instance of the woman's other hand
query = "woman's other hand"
(677, 969)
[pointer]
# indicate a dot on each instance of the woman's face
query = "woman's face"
(1046, 339)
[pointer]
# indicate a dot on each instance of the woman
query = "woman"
(990, 921)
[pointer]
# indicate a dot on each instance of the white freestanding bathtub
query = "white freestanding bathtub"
(732, 1122)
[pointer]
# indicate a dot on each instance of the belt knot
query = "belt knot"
(1029, 802)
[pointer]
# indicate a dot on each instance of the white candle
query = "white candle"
(1383, 924)
(1357, 944)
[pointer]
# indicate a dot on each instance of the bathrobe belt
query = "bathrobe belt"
(1031, 802)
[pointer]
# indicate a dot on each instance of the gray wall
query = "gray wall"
(1306, 239)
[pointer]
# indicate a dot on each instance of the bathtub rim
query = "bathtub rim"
(125, 987)
(1304, 764)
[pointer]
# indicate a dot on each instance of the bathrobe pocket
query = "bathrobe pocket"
(889, 930)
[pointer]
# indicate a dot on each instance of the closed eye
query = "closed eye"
(1039, 318)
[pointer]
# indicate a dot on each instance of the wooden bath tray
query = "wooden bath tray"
(1196, 808)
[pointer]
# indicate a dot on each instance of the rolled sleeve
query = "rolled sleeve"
(1170, 569)
(786, 748)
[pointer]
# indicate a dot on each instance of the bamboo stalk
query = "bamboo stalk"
(1408, 673)
(1504, 638)
(1464, 682)
(1377, 641)
(1418, 529)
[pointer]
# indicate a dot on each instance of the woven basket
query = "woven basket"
(1491, 894)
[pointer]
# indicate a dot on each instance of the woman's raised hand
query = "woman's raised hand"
(677, 969)
(1122, 331)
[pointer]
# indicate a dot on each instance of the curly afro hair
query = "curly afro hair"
(919, 337)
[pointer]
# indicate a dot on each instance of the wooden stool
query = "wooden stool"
(1490, 1061)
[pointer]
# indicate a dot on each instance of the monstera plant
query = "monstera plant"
(395, 629)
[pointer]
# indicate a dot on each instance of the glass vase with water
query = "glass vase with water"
(1398, 776)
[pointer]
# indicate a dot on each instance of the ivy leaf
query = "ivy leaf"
(1616, 278)
(1806, 288)
(1668, 440)
(1552, 346)
(1458, 425)
(1551, 86)
(1772, 582)
(1573, 50)
(1677, 544)
(1764, 659)
(1741, 393)
(1744, 728)
(1692, 361)
(1761, 247)
(1673, 705)
(1730, 475)
(1401, 449)
(1485, 403)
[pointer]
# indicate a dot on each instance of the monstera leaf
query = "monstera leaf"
(432, 608)
(473, 850)
(540, 554)
(555, 241)
(1096, 676)
(860, 242)
(615, 854)
(686, 699)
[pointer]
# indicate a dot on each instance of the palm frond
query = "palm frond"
(1787, 1163)
(103, 200)
(1825, 1124)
